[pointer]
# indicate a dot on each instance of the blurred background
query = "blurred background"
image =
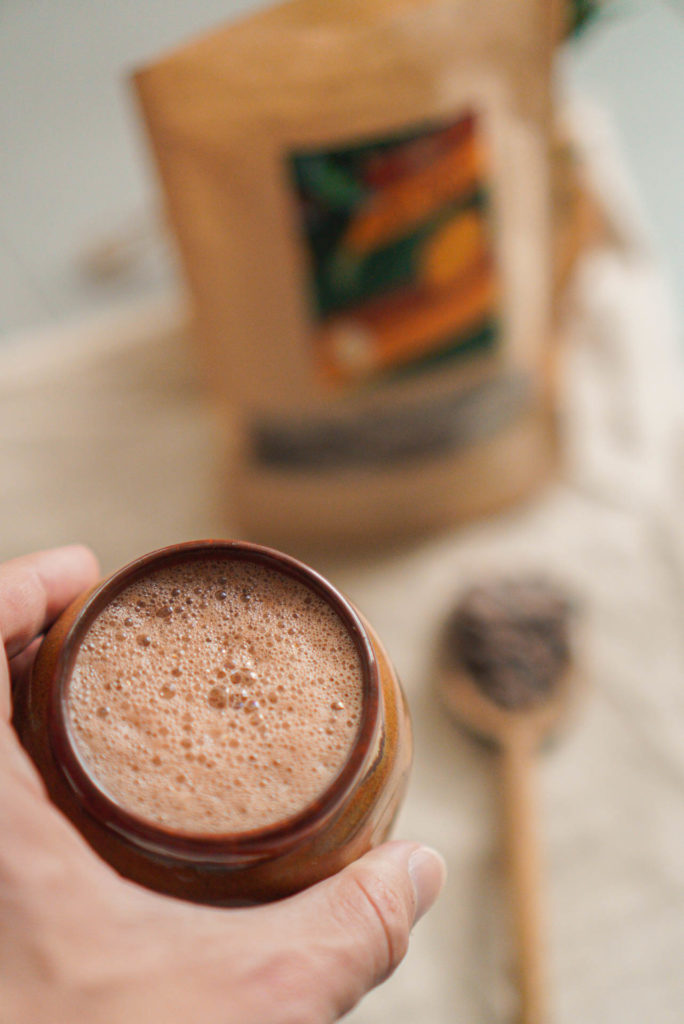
(106, 437)
(76, 172)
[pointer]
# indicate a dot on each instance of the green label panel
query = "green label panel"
(402, 271)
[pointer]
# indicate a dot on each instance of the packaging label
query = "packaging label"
(402, 270)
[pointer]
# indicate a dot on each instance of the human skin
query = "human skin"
(81, 945)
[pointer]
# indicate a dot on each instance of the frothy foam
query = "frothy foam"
(215, 696)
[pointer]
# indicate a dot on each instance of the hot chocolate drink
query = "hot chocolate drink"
(215, 696)
(219, 723)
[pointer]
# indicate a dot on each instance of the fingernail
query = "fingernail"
(427, 872)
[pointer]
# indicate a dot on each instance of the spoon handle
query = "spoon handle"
(524, 869)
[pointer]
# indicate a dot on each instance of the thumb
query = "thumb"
(352, 930)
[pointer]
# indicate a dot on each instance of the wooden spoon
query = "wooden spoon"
(516, 734)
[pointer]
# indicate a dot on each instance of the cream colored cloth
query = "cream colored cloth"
(104, 438)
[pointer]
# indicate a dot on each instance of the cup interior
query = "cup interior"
(101, 805)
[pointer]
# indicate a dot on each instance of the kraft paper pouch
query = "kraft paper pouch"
(360, 194)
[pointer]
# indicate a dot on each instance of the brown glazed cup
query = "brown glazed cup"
(354, 813)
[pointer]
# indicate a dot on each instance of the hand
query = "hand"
(81, 945)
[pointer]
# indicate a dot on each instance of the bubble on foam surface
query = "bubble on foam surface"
(217, 697)
(234, 678)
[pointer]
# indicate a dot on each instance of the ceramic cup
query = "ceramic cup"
(351, 814)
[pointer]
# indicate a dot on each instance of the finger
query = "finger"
(347, 934)
(16, 766)
(34, 590)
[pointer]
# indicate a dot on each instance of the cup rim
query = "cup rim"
(290, 831)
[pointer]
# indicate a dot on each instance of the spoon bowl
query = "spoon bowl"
(495, 725)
